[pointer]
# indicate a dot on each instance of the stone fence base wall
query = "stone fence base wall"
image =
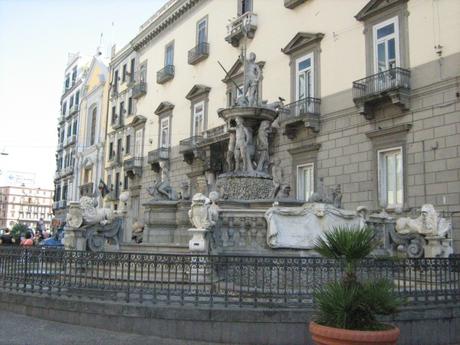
(435, 325)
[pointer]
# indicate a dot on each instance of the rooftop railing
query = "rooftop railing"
(221, 281)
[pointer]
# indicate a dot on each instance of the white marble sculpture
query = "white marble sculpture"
(203, 215)
(93, 214)
(299, 227)
(429, 223)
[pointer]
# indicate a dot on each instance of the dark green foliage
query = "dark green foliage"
(18, 230)
(349, 303)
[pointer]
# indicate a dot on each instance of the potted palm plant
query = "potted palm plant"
(347, 309)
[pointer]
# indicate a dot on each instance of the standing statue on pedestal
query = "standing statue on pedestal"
(162, 190)
(252, 76)
(230, 158)
(262, 146)
(244, 147)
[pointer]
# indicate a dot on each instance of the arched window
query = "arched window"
(92, 137)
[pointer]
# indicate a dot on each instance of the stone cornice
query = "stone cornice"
(388, 131)
(305, 148)
(163, 21)
(375, 7)
(301, 40)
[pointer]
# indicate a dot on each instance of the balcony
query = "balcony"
(114, 160)
(391, 85)
(57, 175)
(189, 148)
(300, 114)
(60, 145)
(70, 140)
(87, 189)
(199, 53)
(293, 3)
(165, 74)
(59, 204)
(244, 25)
(154, 157)
(139, 89)
(133, 166)
(61, 119)
(73, 109)
(117, 122)
(67, 171)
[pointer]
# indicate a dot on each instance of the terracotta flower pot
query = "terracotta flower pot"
(323, 335)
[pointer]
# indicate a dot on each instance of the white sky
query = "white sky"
(35, 38)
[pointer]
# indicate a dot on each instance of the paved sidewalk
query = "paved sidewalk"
(17, 329)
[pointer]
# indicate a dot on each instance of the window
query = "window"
(69, 129)
(77, 98)
(202, 31)
(115, 81)
(122, 109)
(74, 75)
(130, 106)
(74, 128)
(111, 151)
(117, 185)
(87, 176)
(390, 177)
(143, 73)
(71, 102)
(131, 70)
(386, 45)
(92, 138)
(64, 108)
(164, 132)
(169, 55)
(304, 77)
(138, 143)
(123, 75)
(125, 182)
(198, 119)
(119, 148)
(128, 144)
(305, 181)
(244, 6)
(67, 81)
(114, 114)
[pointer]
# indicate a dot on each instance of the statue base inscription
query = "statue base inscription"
(299, 227)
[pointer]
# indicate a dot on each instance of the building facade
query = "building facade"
(371, 91)
(89, 162)
(125, 133)
(67, 131)
(25, 205)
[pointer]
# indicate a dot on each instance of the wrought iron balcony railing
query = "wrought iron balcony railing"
(165, 74)
(67, 171)
(70, 140)
(379, 83)
(155, 156)
(139, 89)
(133, 166)
(73, 109)
(117, 122)
(393, 84)
(244, 25)
(189, 144)
(198, 53)
(305, 111)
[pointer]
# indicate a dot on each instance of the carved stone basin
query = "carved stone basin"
(252, 115)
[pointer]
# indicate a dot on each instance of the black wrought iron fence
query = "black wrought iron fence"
(242, 281)
(381, 82)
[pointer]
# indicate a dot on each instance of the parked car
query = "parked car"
(54, 241)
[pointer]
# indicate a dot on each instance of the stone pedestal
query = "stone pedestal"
(438, 247)
(160, 221)
(234, 186)
(199, 242)
(74, 238)
(181, 235)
